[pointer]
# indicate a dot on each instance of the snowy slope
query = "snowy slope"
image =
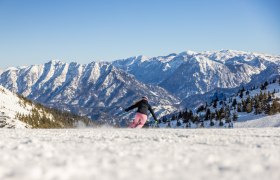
(250, 120)
(140, 154)
(225, 101)
(260, 121)
(98, 90)
(10, 105)
(18, 112)
(245, 121)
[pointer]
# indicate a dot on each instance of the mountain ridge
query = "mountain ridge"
(102, 89)
(201, 72)
(93, 89)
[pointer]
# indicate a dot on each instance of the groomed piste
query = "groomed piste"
(158, 154)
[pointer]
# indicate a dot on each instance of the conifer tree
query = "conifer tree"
(249, 107)
(221, 123)
(239, 107)
(235, 116)
(207, 114)
(227, 115)
(234, 103)
(213, 116)
(212, 123)
(275, 107)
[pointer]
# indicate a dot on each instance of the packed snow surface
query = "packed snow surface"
(138, 154)
(257, 121)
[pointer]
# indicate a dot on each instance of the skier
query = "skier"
(142, 113)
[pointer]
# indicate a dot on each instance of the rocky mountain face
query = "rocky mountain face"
(190, 73)
(98, 90)
(150, 70)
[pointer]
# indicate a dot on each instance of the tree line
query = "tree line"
(45, 117)
(226, 110)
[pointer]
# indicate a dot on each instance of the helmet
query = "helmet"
(145, 98)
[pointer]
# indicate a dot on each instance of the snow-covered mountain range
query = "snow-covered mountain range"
(98, 90)
(190, 73)
(102, 90)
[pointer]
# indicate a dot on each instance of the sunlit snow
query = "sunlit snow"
(139, 154)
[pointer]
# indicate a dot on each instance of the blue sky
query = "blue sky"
(33, 32)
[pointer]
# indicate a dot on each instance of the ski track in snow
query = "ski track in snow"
(107, 153)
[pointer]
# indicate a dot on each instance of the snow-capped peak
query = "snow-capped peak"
(188, 53)
(142, 58)
(11, 69)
